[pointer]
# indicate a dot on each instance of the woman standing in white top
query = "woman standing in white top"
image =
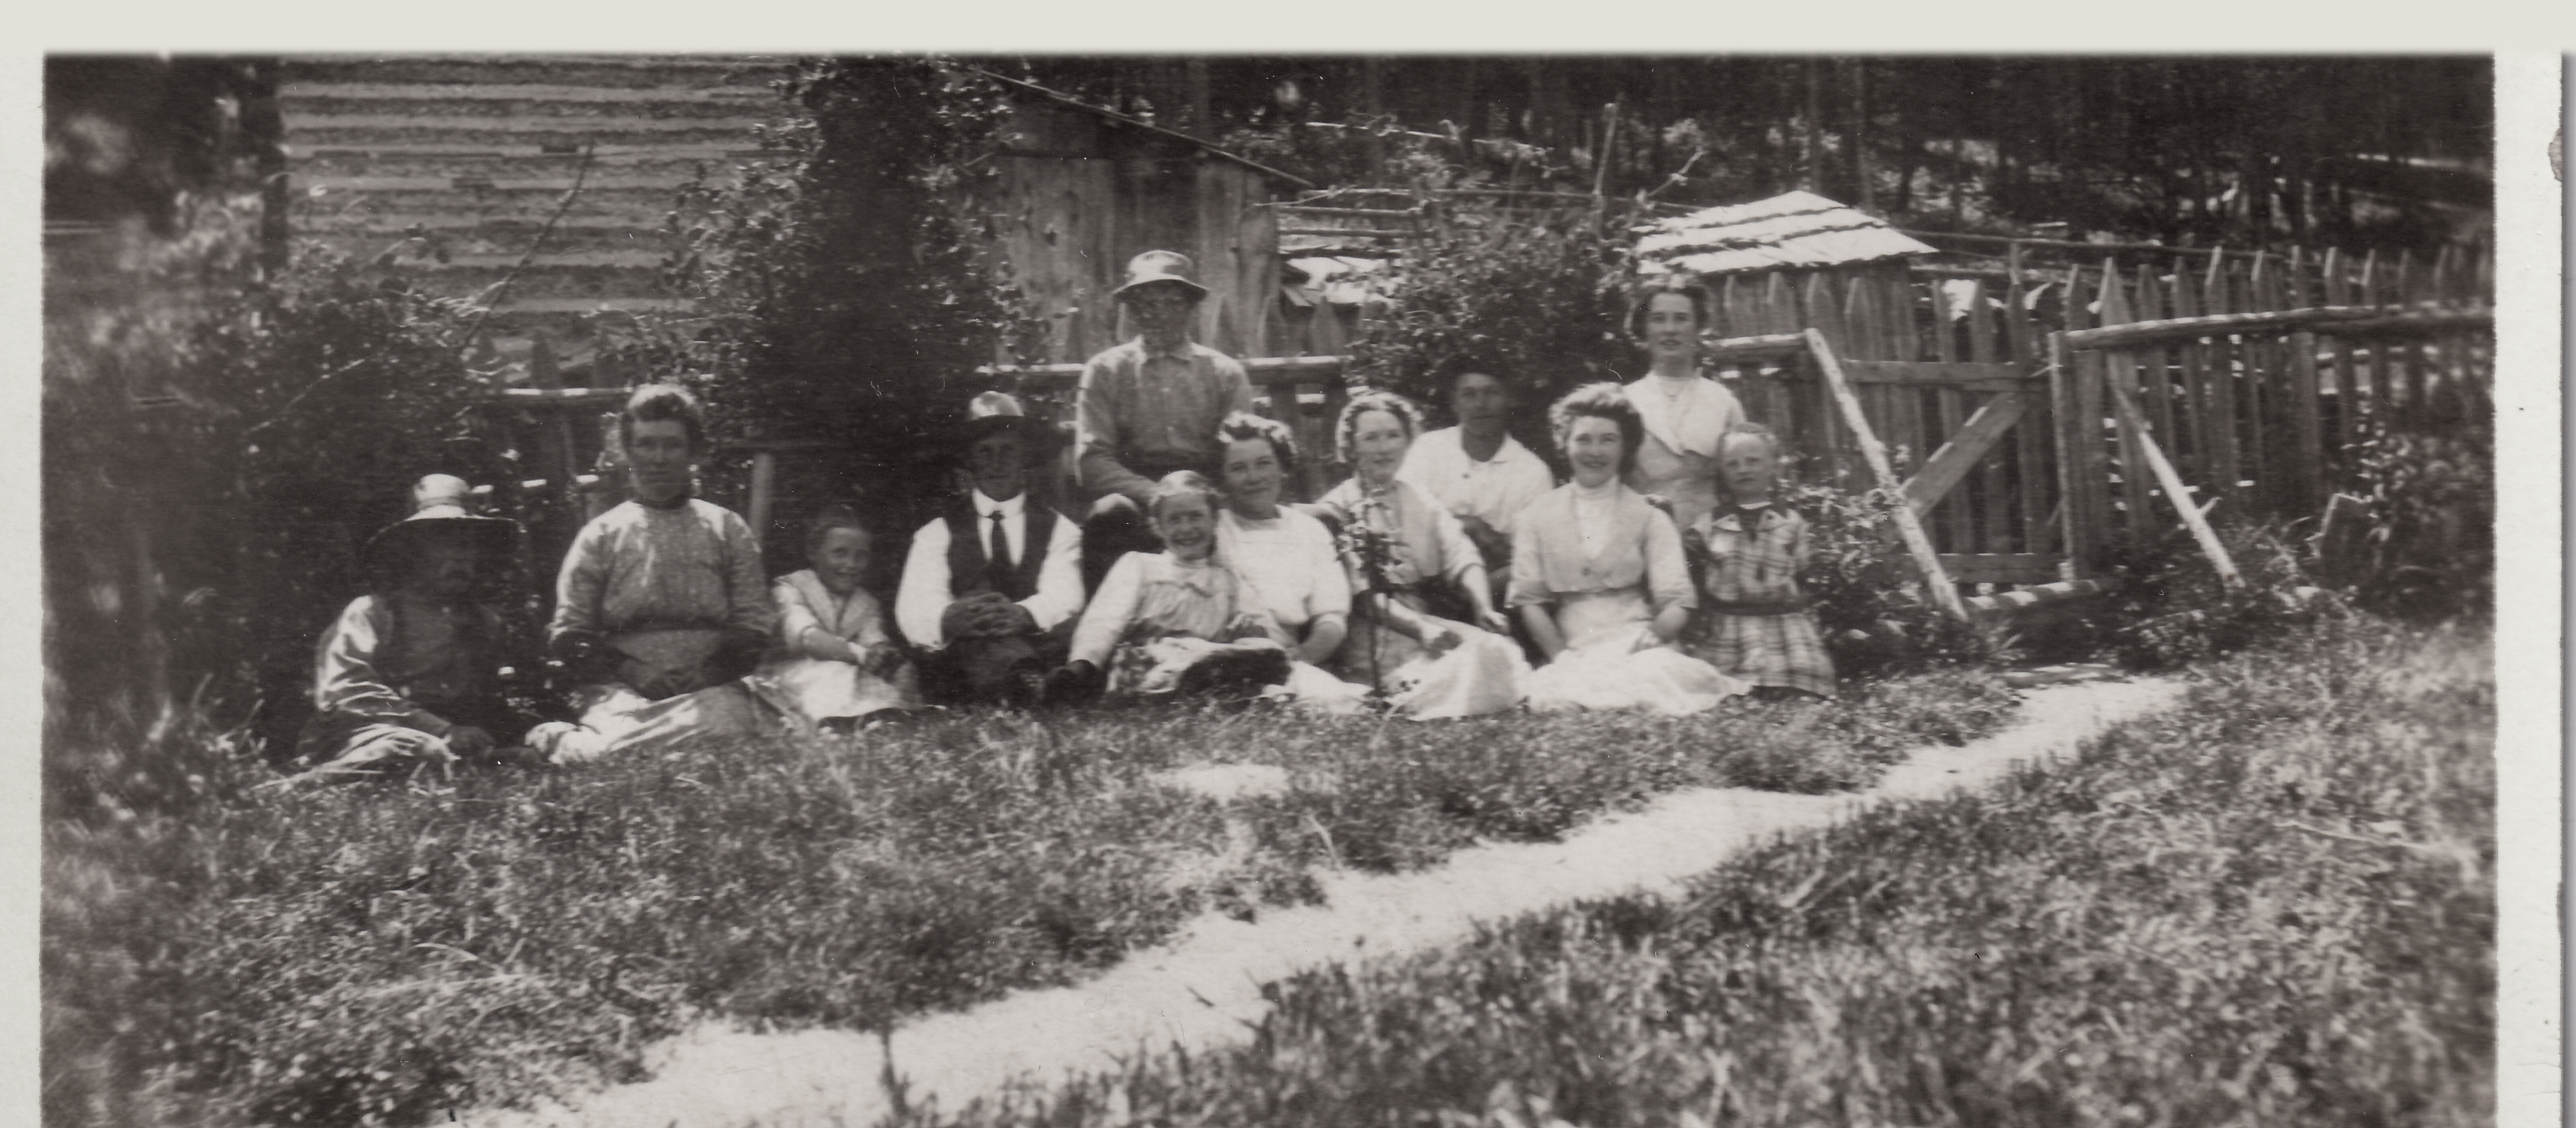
(1684, 411)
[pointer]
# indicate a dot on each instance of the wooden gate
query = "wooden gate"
(1995, 395)
(1942, 376)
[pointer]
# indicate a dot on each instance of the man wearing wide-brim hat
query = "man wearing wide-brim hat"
(991, 588)
(1149, 407)
(409, 674)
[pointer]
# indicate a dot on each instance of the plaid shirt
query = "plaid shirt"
(1753, 623)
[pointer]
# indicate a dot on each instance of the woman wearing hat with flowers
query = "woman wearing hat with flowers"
(990, 589)
(409, 674)
(662, 605)
(1149, 407)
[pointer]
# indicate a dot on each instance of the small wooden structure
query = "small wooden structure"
(1083, 189)
(538, 183)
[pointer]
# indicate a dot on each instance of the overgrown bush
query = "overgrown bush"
(1532, 298)
(2171, 609)
(2427, 483)
(219, 442)
(1867, 598)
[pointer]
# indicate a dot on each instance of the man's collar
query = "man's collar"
(1180, 351)
(985, 506)
(1508, 450)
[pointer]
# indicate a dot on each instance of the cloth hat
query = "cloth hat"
(1000, 411)
(1160, 266)
(442, 505)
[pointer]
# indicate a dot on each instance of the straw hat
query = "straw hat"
(1157, 267)
(442, 506)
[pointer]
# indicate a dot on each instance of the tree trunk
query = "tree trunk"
(1868, 191)
(1815, 126)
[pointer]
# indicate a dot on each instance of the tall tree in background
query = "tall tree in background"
(842, 292)
(2245, 150)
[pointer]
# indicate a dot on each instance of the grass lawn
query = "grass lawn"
(2272, 906)
(384, 953)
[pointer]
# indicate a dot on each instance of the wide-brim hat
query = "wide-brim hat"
(1158, 268)
(1000, 411)
(442, 506)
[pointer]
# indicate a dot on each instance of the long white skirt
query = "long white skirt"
(617, 720)
(1316, 690)
(813, 689)
(1484, 673)
(1612, 660)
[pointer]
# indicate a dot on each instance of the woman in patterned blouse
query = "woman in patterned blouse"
(662, 605)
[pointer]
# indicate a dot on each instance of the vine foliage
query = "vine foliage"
(842, 288)
(1532, 299)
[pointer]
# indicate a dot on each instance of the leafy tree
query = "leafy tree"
(841, 289)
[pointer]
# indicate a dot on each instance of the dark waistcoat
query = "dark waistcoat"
(966, 533)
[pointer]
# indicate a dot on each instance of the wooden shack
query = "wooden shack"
(1083, 189)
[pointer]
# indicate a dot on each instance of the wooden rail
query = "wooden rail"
(1305, 392)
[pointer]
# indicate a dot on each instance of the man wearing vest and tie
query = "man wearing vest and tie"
(991, 589)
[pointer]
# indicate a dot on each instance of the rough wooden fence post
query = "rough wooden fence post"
(1935, 577)
(2135, 422)
(764, 484)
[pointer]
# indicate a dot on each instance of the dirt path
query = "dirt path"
(1204, 988)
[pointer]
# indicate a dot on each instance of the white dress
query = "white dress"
(1605, 559)
(802, 676)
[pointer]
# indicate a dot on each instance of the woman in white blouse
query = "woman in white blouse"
(1599, 578)
(1685, 412)
(1287, 560)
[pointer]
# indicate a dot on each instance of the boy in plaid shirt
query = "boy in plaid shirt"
(1754, 619)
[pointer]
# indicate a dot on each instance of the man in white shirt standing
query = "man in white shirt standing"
(1477, 469)
(990, 590)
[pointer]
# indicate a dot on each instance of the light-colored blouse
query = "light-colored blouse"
(1684, 421)
(1424, 539)
(1288, 565)
(1638, 548)
(639, 567)
(814, 623)
(1147, 596)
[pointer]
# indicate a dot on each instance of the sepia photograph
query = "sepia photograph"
(613, 589)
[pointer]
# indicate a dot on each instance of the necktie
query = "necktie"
(997, 558)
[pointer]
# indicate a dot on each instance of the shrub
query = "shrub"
(1534, 298)
(841, 288)
(219, 442)
(2427, 483)
(1866, 595)
(2171, 609)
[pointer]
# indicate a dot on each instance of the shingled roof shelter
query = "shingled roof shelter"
(1795, 231)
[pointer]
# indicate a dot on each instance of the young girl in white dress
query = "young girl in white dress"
(1172, 622)
(836, 665)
